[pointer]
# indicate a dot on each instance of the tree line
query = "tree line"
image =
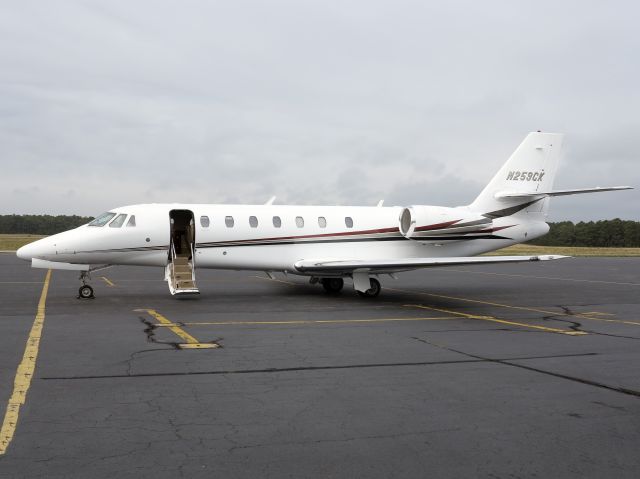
(40, 224)
(604, 233)
(614, 233)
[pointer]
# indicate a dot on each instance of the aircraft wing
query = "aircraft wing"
(405, 264)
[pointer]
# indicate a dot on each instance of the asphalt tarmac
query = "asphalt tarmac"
(505, 371)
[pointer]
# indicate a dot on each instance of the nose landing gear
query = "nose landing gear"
(85, 291)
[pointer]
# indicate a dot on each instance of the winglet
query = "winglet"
(549, 257)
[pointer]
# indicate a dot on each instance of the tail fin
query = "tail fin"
(532, 167)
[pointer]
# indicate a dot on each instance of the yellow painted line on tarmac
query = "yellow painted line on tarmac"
(108, 281)
(198, 346)
(496, 320)
(302, 322)
(24, 373)
(523, 308)
(190, 341)
(620, 321)
(200, 280)
(122, 280)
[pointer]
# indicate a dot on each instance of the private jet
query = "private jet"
(325, 243)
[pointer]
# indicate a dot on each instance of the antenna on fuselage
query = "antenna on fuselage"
(380, 203)
(270, 201)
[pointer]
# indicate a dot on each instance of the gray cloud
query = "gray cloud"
(105, 104)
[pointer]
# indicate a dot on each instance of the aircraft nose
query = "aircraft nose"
(35, 249)
(25, 252)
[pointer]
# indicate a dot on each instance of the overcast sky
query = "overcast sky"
(108, 103)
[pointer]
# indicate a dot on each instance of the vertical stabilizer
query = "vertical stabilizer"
(532, 167)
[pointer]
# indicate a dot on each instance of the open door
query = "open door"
(180, 271)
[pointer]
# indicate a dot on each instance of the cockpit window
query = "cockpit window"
(132, 221)
(118, 222)
(102, 220)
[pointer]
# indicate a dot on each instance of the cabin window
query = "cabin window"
(132, 221)
(102, 220)
(253, 221)
(204, 221)
(228, 220)
(118, 222)
(322, 222)
(277, 222)
(299, 221)
(348, 221)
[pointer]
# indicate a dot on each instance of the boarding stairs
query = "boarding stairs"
(180, 273)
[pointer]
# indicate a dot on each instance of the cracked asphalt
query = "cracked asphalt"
(514, 371)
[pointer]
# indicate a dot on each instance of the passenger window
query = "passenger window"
(118, 222)
(348, 222)
(277, 222)
(132, 221)
(228, 220)
(204, 221)
(253, 221)
(299, 221)
(102, 220)
(322, 222)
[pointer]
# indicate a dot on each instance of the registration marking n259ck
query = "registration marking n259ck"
(525, 175)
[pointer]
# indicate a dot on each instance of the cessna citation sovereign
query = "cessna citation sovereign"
(325, 243)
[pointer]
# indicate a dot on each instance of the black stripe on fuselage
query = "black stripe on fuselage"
(350, 240)
(232, 244)
(512, 210)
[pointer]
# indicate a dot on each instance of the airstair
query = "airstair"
(180, 273)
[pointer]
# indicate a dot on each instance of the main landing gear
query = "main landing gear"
(335, 285)
(85, 291)
(332, 285)
(373, 291)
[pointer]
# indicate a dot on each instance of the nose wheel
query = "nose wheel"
(85, 291)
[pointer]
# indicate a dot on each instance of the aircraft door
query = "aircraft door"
(182, 233)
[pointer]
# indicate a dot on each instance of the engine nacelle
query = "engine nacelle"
(425, 222)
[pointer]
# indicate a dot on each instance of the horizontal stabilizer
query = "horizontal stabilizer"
(404, 264)
(529, 194)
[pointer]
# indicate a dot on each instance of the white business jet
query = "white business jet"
(325, 243)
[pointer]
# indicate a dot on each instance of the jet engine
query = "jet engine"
(433, 222)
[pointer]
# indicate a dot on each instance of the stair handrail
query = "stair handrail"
(193, 264)
(174, 282)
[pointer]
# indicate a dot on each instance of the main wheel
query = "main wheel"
(333, 285)
(85, 292)
(373, 291)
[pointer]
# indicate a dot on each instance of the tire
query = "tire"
(373, 291)
(85, 292)
(333, 285)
